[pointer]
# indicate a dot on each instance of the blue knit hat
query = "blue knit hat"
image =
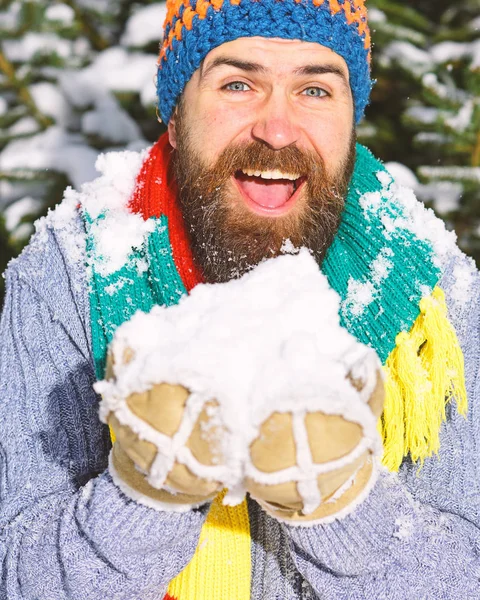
(194, 27)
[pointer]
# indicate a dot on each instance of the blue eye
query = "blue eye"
(315, 92)
(237, 86)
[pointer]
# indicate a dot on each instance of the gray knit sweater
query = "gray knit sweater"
(66, 530)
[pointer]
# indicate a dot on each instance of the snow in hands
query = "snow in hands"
(268, 342)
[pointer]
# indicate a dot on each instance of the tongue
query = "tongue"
(267, 193)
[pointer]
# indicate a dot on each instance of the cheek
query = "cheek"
(331, 140)
(220, 127)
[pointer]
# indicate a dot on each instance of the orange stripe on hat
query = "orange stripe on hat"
(355, 13)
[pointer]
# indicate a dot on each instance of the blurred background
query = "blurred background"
(77, 78)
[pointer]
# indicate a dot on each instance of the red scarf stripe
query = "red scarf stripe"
(155, 195)
(152, 198)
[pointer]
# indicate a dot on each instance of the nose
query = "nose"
(275, 125)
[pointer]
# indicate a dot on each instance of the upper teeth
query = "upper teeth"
(276, 174)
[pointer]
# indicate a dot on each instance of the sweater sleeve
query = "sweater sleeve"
(66, 530)
(417, 534)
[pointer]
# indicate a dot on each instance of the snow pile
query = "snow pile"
(360, 294)
(402, 175)
(61, 13)
(397, 208)
(270, 341)
(145, 26)
(52, 149)
(113, 70)
(425, 115)
(419, 61)
(458, 120)
(14, 213)
(108, 195)
(463, 118)
(446, 92)
(444, 195)
(376, 16)
(456, 173)
(3, 106)
(408, 56)
(453, 51)
(110, 122)
(464, 274)
(118, 231)
(33, 43)
(23, 127)
(51, 102)
(9, 18)
(412, 216)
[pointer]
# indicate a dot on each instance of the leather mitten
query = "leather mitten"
(145, 430)
(330, 449)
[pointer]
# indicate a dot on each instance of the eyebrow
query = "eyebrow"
(252, 67)
(244, 65)
(322, 70)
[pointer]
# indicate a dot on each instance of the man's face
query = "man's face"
(265, 147)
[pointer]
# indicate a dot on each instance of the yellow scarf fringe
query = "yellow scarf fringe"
(424, 371)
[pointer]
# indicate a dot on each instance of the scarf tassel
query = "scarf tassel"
(424, 372)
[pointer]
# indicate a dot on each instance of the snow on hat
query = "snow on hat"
(194, 27)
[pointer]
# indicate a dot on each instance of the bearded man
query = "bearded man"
(261, 98)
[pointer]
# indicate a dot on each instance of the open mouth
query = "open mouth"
(269, 192)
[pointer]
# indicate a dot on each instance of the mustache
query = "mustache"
(256, 156)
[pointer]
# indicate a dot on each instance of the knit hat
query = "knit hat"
(195, 27)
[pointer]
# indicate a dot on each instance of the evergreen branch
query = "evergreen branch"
(22, 91)
(401, 14)
(98, 42)
(476, 153)
(25, 175)
(29, 10)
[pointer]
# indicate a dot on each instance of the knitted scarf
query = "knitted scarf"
(386, 271)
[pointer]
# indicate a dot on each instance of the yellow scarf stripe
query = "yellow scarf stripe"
(424, 372)
(221, 567)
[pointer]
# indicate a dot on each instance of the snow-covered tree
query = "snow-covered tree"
(76, 78)
(425, 112)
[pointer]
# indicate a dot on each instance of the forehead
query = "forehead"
(276, 54)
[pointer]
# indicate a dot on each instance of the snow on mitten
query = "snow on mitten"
(312, 466)
(269, 342)
(147, 426)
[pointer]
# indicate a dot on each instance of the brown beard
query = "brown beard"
(226, 237)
